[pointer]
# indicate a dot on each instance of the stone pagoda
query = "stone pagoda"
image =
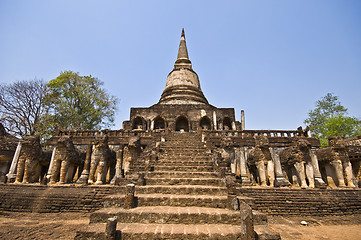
(182, 106)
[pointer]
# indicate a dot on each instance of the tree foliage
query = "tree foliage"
(78, 102)
(330, 118)
(22, 106)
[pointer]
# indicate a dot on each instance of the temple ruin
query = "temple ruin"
(184, 164)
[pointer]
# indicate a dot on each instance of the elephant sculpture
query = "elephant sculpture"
(226, 153)
(260, 158)
(102, 160)
(131, 153)
(296, 159)
(336, 157)
(33, 162)
(67, 159)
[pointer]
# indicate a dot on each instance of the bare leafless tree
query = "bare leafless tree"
(22, 106)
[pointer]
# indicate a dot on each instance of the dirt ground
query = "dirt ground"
(330, 228)
(65, 225)
(41, 225)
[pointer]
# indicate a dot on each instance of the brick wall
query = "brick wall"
(65, 198)
(274, 201)
(307, 202)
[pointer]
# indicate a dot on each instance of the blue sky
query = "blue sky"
(272, 58)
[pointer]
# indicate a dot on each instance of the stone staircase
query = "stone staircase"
(183, 199)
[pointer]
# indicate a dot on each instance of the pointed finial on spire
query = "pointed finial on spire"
(182, 59)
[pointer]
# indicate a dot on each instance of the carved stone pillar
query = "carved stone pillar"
(300, 171)
(348, 174)
(111, 228)
(237, 153)
(247, 227)
(63, 171)
(233, 161)
(129, 199)
(337, 165)
(262, 173)
(12, 175)
(330, 174)
(118, 167)
(85, 173)
(316, 170)
(51, 165)
(214, 120)
(100, 172)
(126, 160)
(243, 124)
(280, 180)
(243, 167)
(271, 173)
(310, 174)
(234, 126)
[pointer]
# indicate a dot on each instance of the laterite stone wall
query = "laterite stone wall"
(65, 198)
(306, 202)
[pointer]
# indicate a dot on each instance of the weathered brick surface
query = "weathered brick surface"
(65, 198)
(308, 202)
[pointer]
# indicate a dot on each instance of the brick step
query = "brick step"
(184, 143)
(185, 158)
(181, 189)
(174, 215)
(185, 181)
(190, 138)
(173, 200)
(183, 168)
(192, 156)
(184, 155)
(185, 146)
(179, 174)
(184, 138)
(179, 137)
(182, 146)
(140, 231)
(184, 163)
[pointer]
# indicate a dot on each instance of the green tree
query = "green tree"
(330, 118)
(78, 102)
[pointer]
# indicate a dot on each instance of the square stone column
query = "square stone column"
(12, 175)
(243, 167)
(280, 180)
(84, 178)
(316, 170)
(48, 175)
